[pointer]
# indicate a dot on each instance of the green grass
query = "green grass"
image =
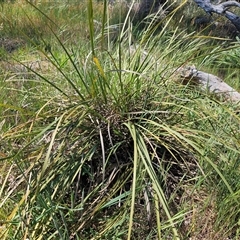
(100, 140)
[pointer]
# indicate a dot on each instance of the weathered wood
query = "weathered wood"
(207, 81)
(210, 82)
(222, 9)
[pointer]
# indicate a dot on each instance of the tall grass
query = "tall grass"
(109, 145)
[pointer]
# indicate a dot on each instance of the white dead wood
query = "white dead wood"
(209, 82)
(205, 80)
(216, 8)
(222, 9)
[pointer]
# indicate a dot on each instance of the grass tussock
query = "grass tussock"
(104, 142)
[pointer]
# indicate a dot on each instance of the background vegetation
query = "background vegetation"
(99, 138)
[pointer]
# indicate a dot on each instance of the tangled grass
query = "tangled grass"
(106, 144)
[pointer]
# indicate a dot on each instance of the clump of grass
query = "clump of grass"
(112, 145)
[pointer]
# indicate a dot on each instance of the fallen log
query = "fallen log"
(209, 82)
